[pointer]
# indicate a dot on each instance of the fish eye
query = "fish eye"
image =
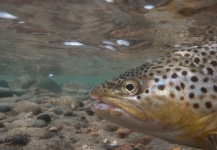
(130, 87)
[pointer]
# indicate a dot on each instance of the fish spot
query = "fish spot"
(203, 89)
(186, 61)
(214, 63)
(174, 75)
(194, 79)
(177, 88)
(171, 83)
(187, 55)
(208, 104)
(168, 69)
(157, 67)
(184, 73)
(151, 74)
(168, 61)
(193, 70)
(182, 85)
(156, 80)
(197, 60)
(191, 95)
(164, 76)
(181, 98)
(203, 53)
(212, 52)
(138, 97)
(172, 95)
(158, 71)
(192, 86)
(205, 79)
(215, 88)
(213, 97)
(146, 91)
(161, 87)
(210, 71)
(178, 69)
(196, 105)
(195, 51)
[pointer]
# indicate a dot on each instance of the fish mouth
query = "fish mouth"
(113, 106)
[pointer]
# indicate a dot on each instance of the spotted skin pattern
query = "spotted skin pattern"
(173, 98)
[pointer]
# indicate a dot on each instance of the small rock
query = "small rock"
(111, 127)
(5, 108)
(74, 139)
(2, 125)
(124, 147)
(4, 83)
(37, 110)
(17, 139)
(5, 92)
(2, 116)
(67, 100)
(69, 113)
(89, 112)
(45, 117)
(25, 106)
(40, 123)
(57, 111)
(53, 129)
(123, 132)
(177, 148)
(94, 134)
(114, 143)
(47, 135)
(142, 140)
(46, 83)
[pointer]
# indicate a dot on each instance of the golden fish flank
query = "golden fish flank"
(173, 98)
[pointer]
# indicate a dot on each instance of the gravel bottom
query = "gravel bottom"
(48, 122)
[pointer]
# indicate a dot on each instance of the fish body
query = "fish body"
(173, 98)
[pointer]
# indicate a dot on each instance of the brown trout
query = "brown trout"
(174, 98)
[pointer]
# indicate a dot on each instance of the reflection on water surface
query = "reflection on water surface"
(97, 39)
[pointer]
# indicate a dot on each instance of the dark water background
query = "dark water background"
(93, 40)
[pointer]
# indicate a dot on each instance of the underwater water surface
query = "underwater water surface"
(93, 40)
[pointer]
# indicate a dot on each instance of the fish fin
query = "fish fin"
(212, 139)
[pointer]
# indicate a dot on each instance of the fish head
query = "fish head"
(172, 98)
(136, 101)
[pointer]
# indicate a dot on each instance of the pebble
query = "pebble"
(57, 111)
(89, 112)
(37, 110)
(2, 125)
(177, 148)
(5, 108)
(124, 147)
(4, 84)
(40, 123)
(114, 143)
(25, 106)
(123, 132)
(69, 113)
(67, 100)
(53, 129)
(2, 116)
(45, 117)
(18, 139)
(74, 139)
(142, 140)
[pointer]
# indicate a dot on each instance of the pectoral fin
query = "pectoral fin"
(212, 139)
